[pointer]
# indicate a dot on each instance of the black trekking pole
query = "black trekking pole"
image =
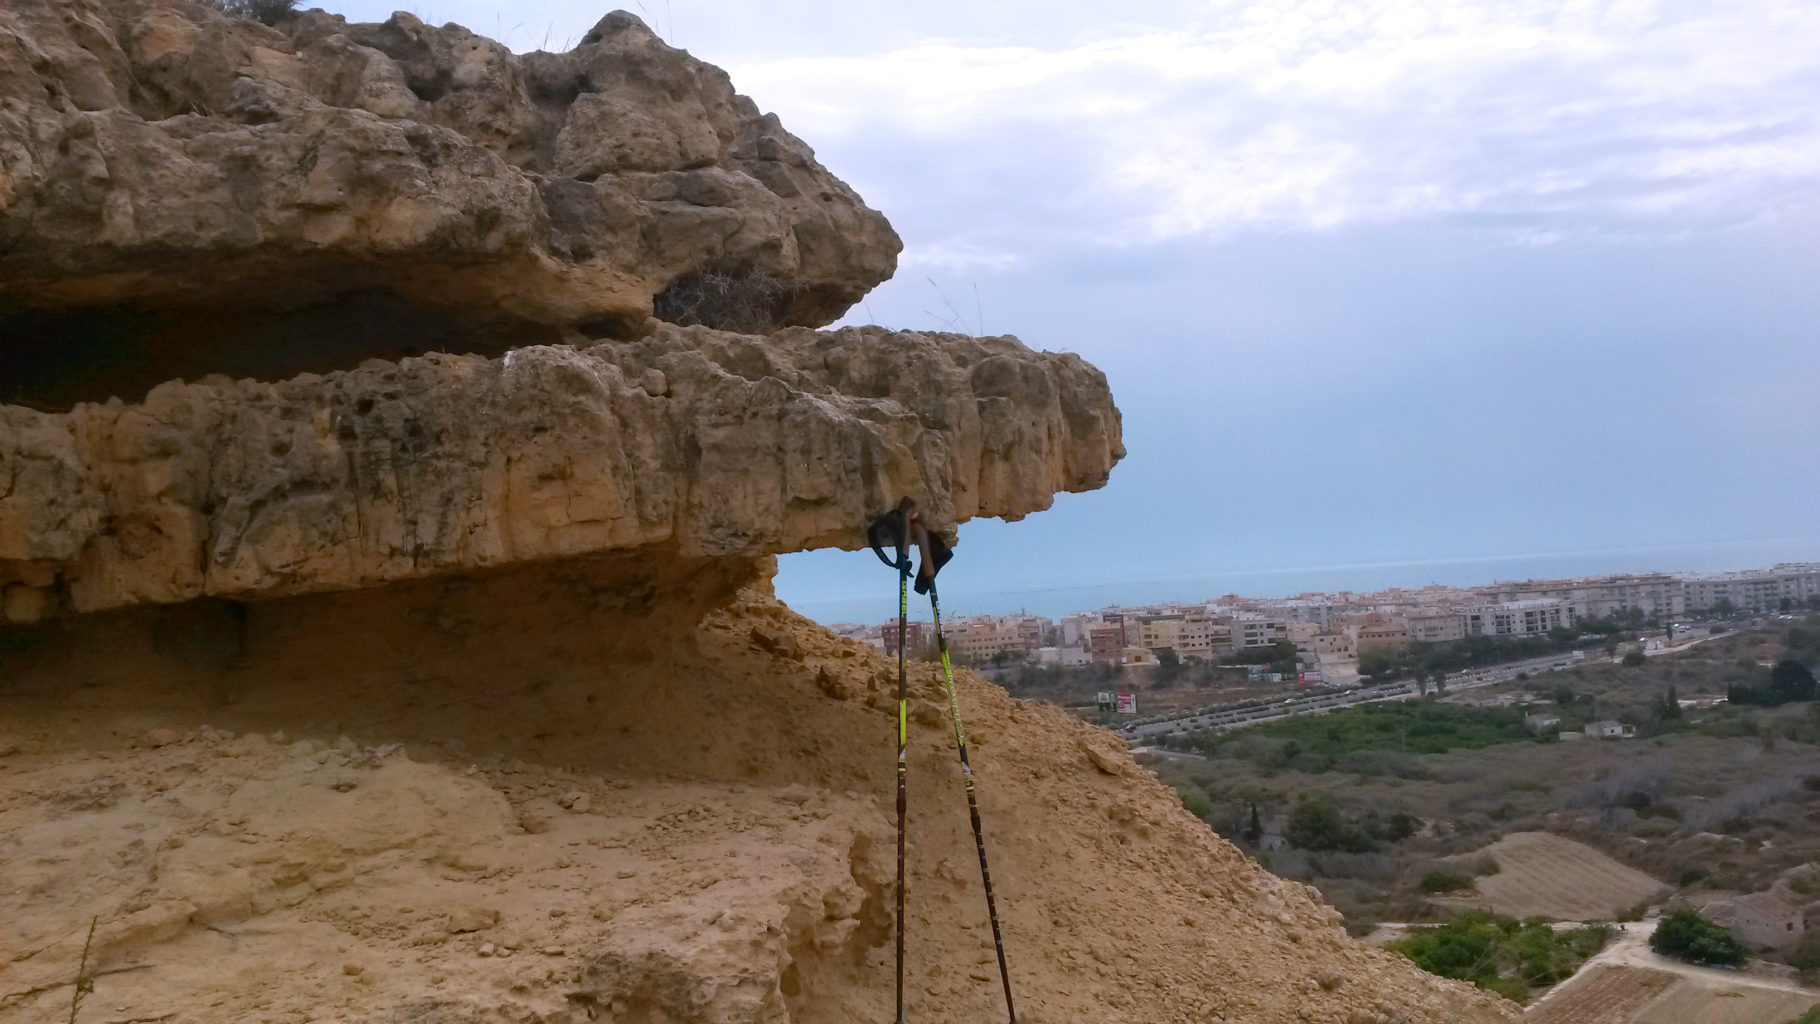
(935, 555)
(896, 524)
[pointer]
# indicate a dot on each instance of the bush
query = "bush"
(1442, 881)
(1484, 864)
(1317, 824)
(1195, 799)
(1805, 957)
(1502, 954)
(1633, 659)
(269, 12)
(1685, 935)
(1789, 682)
(743, 300)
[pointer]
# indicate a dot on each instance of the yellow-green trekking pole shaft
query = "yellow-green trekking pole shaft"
(903, 762)
(973, 806)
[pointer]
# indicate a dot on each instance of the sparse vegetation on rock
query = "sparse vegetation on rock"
(268, 12)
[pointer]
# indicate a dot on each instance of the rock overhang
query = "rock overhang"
(160, 163)
(693, 442)
(329, 306)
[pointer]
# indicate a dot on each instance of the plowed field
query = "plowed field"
(1610, 994)
(1606, 995)
(1541, 874)
(1694, 1003)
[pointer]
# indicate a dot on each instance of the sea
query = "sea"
(1061, 599)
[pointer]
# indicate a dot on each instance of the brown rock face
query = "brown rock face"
(645, 813)
(183, 193)
(703, 444)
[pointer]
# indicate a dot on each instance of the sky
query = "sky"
(1389, 291)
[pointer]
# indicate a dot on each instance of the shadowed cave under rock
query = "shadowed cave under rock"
(51, 359)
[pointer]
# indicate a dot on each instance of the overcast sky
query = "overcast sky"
(1375, 281)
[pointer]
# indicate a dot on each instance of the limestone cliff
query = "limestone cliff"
(697, 442)
(182, 193)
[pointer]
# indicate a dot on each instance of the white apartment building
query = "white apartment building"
(1654, 594)
(1248, 633)
(1757, 590)
(1531, 617)
(1301, 609)
(1063, 657)
(1075, 628)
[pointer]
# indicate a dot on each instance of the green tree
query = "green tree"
(1254, 829)
(1499, 953)
(1685, 935)
(1790, 681)
(1671, 704)
(1168, 664)
(1632, 659)
(1724, 608)
(1379, 661)
(1318, 824)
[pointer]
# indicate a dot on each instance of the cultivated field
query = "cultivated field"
(1545, 875)
(1693, 1002)
(1638, 995)
(1603, 995)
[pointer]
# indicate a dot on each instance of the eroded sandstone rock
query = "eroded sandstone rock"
(691, 441)
(183, 193)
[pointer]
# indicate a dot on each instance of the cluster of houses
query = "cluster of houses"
(1346, 624)
(1605, 729)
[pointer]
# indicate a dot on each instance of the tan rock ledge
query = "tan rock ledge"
(183, 193)
(692, 442)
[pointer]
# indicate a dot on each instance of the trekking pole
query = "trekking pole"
(935, 555)
(897, 522)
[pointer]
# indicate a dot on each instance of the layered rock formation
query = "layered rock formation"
(182, 193)
(411, 658)
(699, 443)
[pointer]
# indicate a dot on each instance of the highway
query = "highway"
(1258, 709)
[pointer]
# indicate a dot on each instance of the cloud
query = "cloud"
(1542, 121)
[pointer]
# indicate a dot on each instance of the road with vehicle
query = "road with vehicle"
(1258, 710)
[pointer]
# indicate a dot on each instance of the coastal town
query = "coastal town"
(1332, 632)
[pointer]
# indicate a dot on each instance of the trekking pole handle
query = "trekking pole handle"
(935, 552)
(894, 527)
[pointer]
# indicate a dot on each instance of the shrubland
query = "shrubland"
(1709, 798)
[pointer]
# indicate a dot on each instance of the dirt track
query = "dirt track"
(1627, 983)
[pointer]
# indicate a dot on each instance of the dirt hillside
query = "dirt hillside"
(533, 796)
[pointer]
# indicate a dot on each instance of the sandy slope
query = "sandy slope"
(538, 797)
